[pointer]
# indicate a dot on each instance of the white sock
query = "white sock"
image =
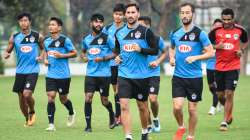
(144, 131)
(128, 136)
(156, 118)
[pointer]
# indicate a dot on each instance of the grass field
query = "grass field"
(11, 120)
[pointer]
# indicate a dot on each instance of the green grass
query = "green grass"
(11, 119)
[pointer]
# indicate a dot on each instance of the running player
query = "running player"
(26, 44)
(134, 43)
(59, 49)
(227, 40)
(97, 52)
(187, 46)
(154, 81)
(118, 15)
(211, 76)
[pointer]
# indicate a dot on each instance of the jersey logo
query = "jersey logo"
(26, 49)
(228, 46)
(94, 51)
(185, 48)
(192, 36)
(32, 39)
(130, 47)
(57, 43)
(137, 34)
(51, 53)
(100, 41)
(193, 96)
(228, 35)
(236, 36)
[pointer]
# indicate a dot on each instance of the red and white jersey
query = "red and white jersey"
(226, 58)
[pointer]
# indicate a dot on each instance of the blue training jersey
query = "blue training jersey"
(110, 30)
(211, 63)
(58, 67)
(134, 64)
(188, 44)
(157, 70)
(27, 49)
(97, 46)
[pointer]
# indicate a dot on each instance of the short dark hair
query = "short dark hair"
(119, 7)
(146, 19)
(228, 11)
(24, 14)
(97, 16)
(188, 4)
(131, 5)
(58, 20)
(217, 20)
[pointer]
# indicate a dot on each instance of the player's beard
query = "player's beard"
(96, 30)
(131, 22)
(186, 21)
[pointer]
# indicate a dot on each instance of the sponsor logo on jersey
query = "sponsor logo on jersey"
(26, 49)
(51, 53)
(94, 51)
(185, 48)
(228, 46)
(130, 47)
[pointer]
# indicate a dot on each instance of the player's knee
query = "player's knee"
(63, 100)
(51, 99)
(142, 107)
(104, 101)
(153, 100)
(27, 94)
(177, 108)
(192, 111)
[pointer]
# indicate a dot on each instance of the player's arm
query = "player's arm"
(207, 52)
(244, 43)
(152, 43)
(9, 48)
(45, 58)
(212, 38)
(163, 55)
(110, 55)
(71, 50)
(172, 55)
(84, 55)
(116, 51)
(41, 47)
(171, 52)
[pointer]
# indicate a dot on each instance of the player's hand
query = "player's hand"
(239, 53)
(39, 58)
(58, 54)
(85, 59)
(46, 62)
(219, 46)
(6, 55)
(190, 59)
(172, 61)
(137, 48)
(98, 59)
(118, 59)
(154, 64)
